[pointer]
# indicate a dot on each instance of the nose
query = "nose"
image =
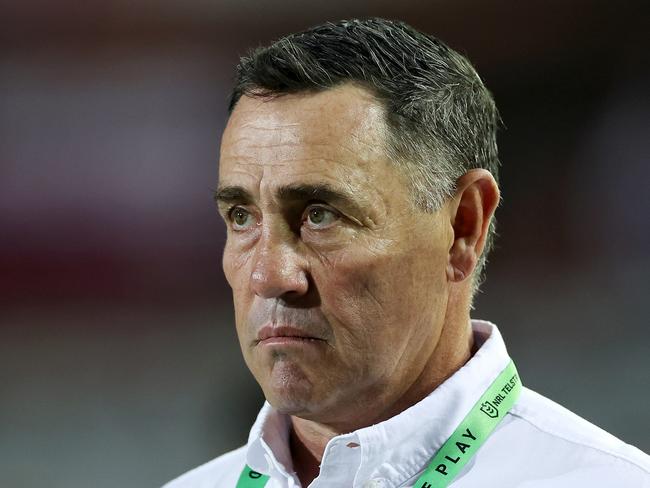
(279, 270)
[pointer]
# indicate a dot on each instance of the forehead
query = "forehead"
(338, 133)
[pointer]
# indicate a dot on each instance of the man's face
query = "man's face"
(339, 284)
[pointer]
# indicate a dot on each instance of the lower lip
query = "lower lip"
(288, 341)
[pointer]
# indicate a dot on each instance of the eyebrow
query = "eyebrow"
(232, 194)
(296, 192)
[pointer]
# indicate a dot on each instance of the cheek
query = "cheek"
(237, 270)
(237, 273)
(235, 261)
(384, 294)
(355, 292)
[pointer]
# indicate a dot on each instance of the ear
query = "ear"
(477, 197)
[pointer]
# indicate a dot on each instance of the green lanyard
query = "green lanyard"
(468, 437)
(251, 479)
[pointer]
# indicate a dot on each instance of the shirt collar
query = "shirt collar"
(400, 447)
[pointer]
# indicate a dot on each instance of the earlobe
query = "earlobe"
(476, 200)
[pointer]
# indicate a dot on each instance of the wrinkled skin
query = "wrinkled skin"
(367, 279)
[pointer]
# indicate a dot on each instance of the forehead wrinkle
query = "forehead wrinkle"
(327, 145)
(260, 128)
(352, 139)
(286, 144)
(254, 124)
(253, 133)
(241, 152)
(271, 121)
(251, 161)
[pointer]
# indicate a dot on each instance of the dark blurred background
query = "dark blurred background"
(119, 364)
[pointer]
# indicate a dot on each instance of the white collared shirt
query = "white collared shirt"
(538, 444)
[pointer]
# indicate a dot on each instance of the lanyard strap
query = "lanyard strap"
(470, 434)
(473, 430)
(251, 479)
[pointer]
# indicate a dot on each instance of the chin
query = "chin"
(288, 389)
(288, 408)
(290, 402)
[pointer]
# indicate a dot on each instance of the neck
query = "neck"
(307, 441)
(309, 438)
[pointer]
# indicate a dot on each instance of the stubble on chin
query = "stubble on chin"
(286, 386)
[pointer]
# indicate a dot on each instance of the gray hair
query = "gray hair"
(441, 120)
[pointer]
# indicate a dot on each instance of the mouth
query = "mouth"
(285, 335)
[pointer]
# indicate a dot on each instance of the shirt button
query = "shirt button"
(375, 483)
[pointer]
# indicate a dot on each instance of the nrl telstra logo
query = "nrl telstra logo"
(489, 409)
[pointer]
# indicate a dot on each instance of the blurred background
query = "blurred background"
(119, 365)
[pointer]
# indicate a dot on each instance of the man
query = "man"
(358, 184)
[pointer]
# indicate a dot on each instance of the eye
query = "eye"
(241, 218)
(318, 216)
